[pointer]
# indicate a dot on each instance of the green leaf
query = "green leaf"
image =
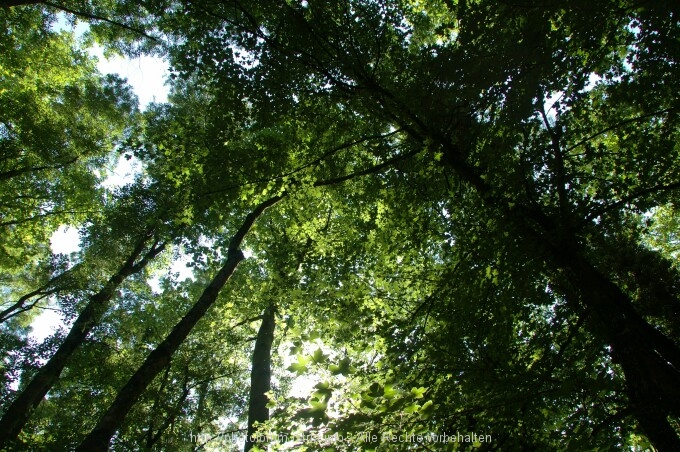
(342, 368)
(418, 393)
(412, 408)
(323, 391)
(427, 409)
(299, 367)
(319, 357)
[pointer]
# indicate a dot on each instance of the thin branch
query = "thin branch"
(28, 169)
(42, 215)
(243, 322)
(21, 306)
(632, 197)
(620, 124)
(316, 161)
(371, 170)
(559, 164)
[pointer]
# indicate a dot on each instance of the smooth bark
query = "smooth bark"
(260, 377)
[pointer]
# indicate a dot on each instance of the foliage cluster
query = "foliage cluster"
(462, 214)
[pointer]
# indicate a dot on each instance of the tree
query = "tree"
(100, 436)
(524, 167)
(260, 376)
(18, 412)
(60, 122)
(501, 164)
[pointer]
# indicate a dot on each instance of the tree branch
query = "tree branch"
(93, 16)
(620, 124)
(629, 198)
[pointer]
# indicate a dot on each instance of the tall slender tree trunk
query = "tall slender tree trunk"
(18, 413)
(98, 439)
(649, 359)
(260, 376)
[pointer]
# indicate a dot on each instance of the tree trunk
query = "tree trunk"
(98, 439)
(650, 360)
(18, 413)
(260, 376)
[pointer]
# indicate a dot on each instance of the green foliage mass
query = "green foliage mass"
(59, 125)
(474, 225)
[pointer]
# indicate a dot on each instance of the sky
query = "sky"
(146, 75)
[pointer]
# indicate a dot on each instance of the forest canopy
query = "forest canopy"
(451, 222)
